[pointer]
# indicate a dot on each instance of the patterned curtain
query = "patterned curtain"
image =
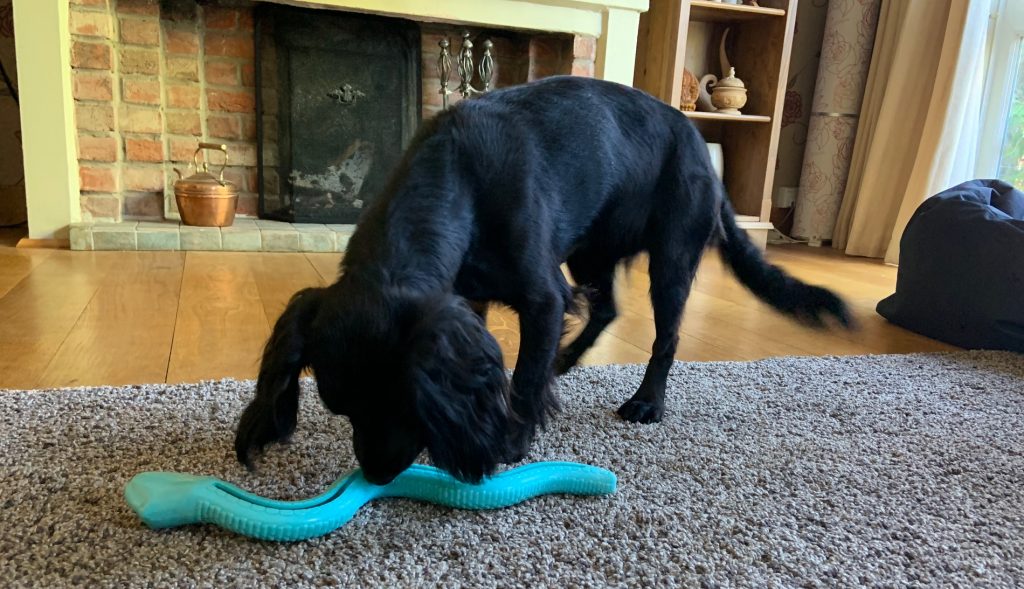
(842, 73)
(920, 120)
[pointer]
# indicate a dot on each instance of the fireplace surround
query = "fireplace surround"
(145, 121)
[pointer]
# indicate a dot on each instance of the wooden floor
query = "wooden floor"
(92, 318)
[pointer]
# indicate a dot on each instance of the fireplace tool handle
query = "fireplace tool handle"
(464, 63)
(444, 71)
(486, 67)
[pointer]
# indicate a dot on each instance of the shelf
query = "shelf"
(750, 222)
(707, 11)
(714, 116)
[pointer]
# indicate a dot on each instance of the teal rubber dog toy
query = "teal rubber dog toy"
(170, 499)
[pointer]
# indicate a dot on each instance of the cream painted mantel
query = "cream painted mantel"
(47, 106)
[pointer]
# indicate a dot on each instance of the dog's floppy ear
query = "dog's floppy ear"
(271, 416)
(461, 389)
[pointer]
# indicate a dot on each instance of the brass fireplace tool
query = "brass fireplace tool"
(444, 68)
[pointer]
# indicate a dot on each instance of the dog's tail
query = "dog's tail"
(806, 303)
(272, 415)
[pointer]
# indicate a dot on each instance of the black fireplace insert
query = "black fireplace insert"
(337, 101)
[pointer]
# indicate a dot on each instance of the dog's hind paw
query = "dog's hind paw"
(564, 363)
(638, 411)
(562, 367)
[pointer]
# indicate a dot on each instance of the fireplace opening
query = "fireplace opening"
(337, 101)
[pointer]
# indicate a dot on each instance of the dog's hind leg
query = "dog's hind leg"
(686, 218)
(671, 279)
(480, 308)
(597, 278)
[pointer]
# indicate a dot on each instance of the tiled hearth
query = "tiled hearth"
(245, 235)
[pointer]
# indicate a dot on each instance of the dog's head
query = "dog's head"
(413, 375)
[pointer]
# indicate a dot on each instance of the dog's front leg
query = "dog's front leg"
(540, 324)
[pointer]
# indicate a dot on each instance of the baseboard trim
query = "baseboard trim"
(27, 242)
(756, 229)
(759, 237)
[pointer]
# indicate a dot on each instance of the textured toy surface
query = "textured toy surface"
(169, 499)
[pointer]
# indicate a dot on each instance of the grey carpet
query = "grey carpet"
(854, 471)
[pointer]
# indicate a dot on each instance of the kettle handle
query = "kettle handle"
(217, 146)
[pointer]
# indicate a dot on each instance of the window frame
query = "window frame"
(1006, 58)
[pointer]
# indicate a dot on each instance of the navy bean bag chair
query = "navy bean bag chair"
(961, 273)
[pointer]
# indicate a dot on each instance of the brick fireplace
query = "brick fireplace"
(115, 93)
(151, 79)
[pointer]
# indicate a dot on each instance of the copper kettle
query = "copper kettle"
(203, 199)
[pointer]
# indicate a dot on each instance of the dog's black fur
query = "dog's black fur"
(491, 198)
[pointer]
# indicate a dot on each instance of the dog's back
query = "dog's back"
(586, 151)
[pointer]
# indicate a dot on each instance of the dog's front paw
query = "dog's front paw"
(513, 456)
(258, 428)
(640, 411)
(517, 446)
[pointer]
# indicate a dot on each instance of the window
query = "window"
(1001, 152)
(1011, 150)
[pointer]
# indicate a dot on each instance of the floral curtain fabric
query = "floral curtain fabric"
(842, 72)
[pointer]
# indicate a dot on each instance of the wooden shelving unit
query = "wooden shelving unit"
(761, 40)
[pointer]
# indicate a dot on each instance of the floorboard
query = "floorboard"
(38, 313)
(221, 323)
(90, 318)
(124, 335)
(278, 277)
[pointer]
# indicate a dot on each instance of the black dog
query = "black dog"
(491, 198)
